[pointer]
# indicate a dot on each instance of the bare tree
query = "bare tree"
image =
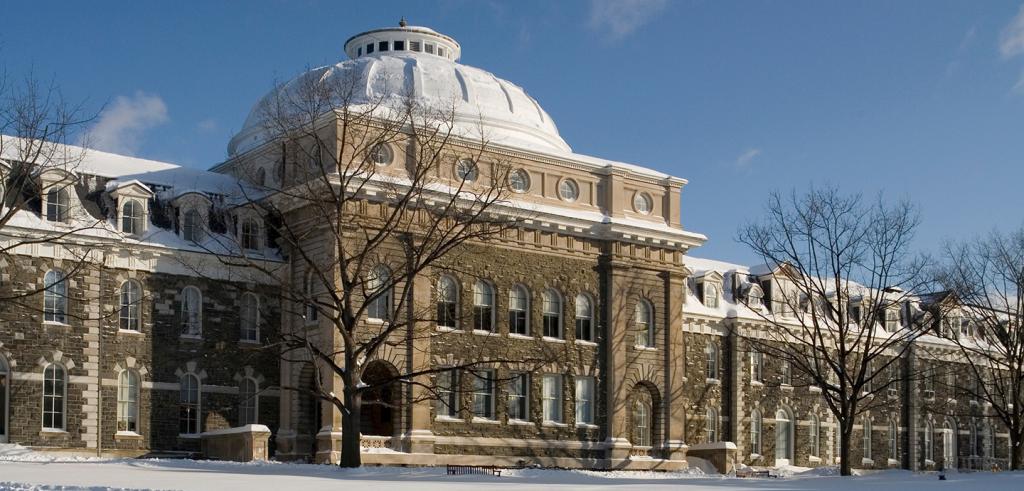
(836, 305)
(985, 277)
(36, 126)
(365, 209)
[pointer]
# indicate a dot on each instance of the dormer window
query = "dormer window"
(429, 48)
(192, 226)
(369, 48)
(711, 295)
(251, 235)
(132, 217)
(57, 205)
(415, 46)
(440, 51)
(399, 45)
(891, 320)
(755, 297)
(382, 46)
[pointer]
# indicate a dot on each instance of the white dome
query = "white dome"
(508, 115)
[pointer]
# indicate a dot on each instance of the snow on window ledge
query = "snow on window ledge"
(446, 329)
(554, 424)
(712, 381)
(645, 348)
(867, 462)
(588, 426)
(189, 436)
(487, 421)
(129, 332)
(127, 435)
(484, 332)
(583, 342)
(449, 419)
(521, 422)
(56, 324)
(553, 340)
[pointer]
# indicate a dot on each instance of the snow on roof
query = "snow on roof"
(125, 168)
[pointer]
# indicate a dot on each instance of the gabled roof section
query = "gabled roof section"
(132, 187)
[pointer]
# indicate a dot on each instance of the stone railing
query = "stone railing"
(371, 442)
(638, 452)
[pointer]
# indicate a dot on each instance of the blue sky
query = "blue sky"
(919, 99)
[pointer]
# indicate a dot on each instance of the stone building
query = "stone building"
(156, 336)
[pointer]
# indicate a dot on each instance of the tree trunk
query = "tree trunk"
(846, 431)
(1016, 452)
(350, 439)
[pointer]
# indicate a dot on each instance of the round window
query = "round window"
(643, 203)
(465, 170)
(381, 154)
(569, 190)
(519, 181)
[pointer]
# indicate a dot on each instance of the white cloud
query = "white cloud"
(121, 126)
(747, 157)
(208, 125)
(1011, 41)
(622, 17)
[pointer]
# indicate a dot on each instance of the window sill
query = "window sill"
(786, 387)
(515, 335)
(446, 329)
(755, 383)
(867, 462)
(587, 426)
(129, 332)
(482, 332)
(553, 340)
(47, 432)
(188, 436)
(486, 421)
(583, 342)
(929, 462)
(813, 459)
(892, 462)
(248, 343)
(645, 348)
(755, 456)
(814, 389)
(554, 424)
(127, 435)
(370, 320)
(191, 337)
(56, 324)
(712, 381)
(521, 422)
(449, 419)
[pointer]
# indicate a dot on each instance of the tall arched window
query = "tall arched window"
(949, 445)
(641, 423)
(894, 434)
(57, 205)
(711, 352)
(483, 306)
(814, 437)
(192, 226)
(55, 297)
(518, 310)
(584, 318)
(711, 425)
(251, 235)
(929, 447)
(261, 177)
(131, 301)
(866, 436)
(378, 286)
(131, 217)
(644, 319)
(128, 401)
(755, 432)
(447, 302)
(974, 440)
(189, 405)
(783, 436)
(250, 318)
(248, 402)
(191, 312)
(552, 311)
(54, 395)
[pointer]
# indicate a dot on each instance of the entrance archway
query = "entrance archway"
(377, 415)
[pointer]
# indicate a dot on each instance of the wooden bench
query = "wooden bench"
(462, 470)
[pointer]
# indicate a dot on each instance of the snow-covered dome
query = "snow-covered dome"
(386, 64)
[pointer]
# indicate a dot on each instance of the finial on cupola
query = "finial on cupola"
(402, 22)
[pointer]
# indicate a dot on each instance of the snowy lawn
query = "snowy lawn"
(25, 470)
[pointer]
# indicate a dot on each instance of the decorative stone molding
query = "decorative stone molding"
(56, 357)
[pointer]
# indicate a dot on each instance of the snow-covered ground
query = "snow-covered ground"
(24, 470)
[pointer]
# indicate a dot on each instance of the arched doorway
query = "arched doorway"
(949, 460)
(5, 378)
(783, 437)
(308, 420)
(377, 412)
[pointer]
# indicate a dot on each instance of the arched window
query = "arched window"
(57, 205)
(483, 306)
(518, 310)
(783, 436)
(711, 425)
(55, 297)
(250, 318)
(894, 434)
(54, 395)
(312, 312)
(814, 437)
(641, 423)
(756, 366)
(949, 445)
(251, 235)
(755, 432)
(711, 352)
(128, 401)
(131, 300)
(248, 402)
(189, 405)
(131, 217)
(192, 226)
(378, 286)
(261, 177)
(866, 437)
(644, 319)
(711, 295)
(447, 302)
(584, 318)
(974, 440)
(929, 447)
(552, 312)
(191, 312)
